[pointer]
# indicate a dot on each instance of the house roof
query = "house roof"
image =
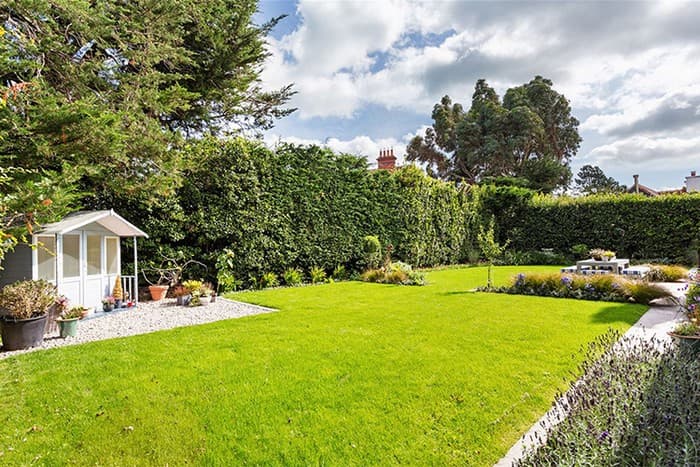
(645, 190)
(108, 219)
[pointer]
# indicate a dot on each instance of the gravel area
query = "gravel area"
(147, 317)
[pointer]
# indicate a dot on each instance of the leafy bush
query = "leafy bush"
(317, 275)
(292, 277)
(525, 258)
(192, 285)
(638, 404)
(666, 273)
(371, 252)
(26, 299)
(269, 279)
(227, 282)
(395, 273)
(580, 250)
(339, 273)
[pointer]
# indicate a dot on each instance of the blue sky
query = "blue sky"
(367, 73)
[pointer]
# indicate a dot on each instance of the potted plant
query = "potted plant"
(25, 306)
(597, 253)
(687, 334)
(117, 292)
(169, 273)
(608, 255)
(180, 293)
(190, 288)
(68, 321)
(108, 303)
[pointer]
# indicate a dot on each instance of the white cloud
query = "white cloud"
(637, 151)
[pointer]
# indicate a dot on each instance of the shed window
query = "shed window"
(112, 255)
(46, 257)
(71, 256)
(94, 255)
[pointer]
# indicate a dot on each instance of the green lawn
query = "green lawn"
(345, 373)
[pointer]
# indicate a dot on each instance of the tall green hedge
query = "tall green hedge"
(301, 207)
(661, 228)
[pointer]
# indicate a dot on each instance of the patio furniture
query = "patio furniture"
(615, 265)
(573, 269)
(636, 271)
(593, 272)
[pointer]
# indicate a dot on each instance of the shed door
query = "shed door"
(95, 282)
(71, 256)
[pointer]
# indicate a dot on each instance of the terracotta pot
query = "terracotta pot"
(157, 292)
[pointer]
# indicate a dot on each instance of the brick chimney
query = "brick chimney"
(386, 160)
(636, 183)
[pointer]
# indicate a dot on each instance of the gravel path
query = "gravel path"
(147, 317)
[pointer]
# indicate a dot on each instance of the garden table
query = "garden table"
(615, 265)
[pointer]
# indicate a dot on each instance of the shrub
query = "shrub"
(395, 273)
(666, 273)
(373, 275)
(227, 282)
(371, 252)
(603, 287)
(192, 286)
(25, 299)
(644, 292)
(269, 279)
(580, 250)
(637, 405)
(317, 275)
(292, 277)
(339, 273)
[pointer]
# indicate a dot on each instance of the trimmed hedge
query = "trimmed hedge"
(303, 207)
(665, 228)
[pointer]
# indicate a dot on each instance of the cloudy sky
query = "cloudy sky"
(368, 73)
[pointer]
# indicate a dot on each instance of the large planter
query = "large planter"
(158, 292)
(22, 333)
(690, 344)
(68, 327)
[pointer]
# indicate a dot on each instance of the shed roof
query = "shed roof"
(108, 219)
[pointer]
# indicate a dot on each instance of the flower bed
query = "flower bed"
(604, 287)
(640, 406)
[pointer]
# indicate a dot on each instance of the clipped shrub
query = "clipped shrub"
(371, 252)
(292, 277)
(666, 273)
(317, 275)
(269, 279)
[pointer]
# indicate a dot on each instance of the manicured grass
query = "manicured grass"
(345, 373)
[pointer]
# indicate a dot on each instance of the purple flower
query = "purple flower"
(604, 435)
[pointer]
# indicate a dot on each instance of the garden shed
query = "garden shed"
(80, 254)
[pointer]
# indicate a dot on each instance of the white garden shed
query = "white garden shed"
(80, 254)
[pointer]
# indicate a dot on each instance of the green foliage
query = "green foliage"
(592, 180)
(645, 292)
(371, 251)
(490, 248)
(269, 279)
(340, 273)
(580, 250)
(292, 277)
(317, 275)
(661, 228)
(530, 135)
(298, 207)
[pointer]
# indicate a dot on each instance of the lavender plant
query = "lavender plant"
(638, 403)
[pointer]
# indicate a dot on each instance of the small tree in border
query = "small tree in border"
(490, 248)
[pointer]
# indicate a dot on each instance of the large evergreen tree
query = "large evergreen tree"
(531, 135)
(104, 92)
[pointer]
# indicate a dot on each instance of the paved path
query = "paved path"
(655, 323)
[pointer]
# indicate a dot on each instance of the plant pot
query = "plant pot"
(118, 303)
(23, 333)
(157, 292)
(689, 344)
(107, 307)
(183, 300)
(68, 327)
